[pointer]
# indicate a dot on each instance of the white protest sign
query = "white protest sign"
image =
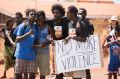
(76, 55)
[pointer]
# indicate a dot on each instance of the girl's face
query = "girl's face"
(113, 22)
(10, 24)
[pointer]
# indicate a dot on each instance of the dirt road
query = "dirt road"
(99, 73)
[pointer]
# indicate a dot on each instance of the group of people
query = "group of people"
(9, 42)
(29, 40)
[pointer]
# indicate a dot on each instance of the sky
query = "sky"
(116, 1)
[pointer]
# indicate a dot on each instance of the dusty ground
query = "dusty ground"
(96, 73)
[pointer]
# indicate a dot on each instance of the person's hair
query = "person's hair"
(117, 28)
(58, 7)
(9, 20)
(117, 24)
(84, 10)
(19, 14)
(40, 13)
(73, 9)
(27, 11)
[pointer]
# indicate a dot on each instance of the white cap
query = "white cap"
(114, 17)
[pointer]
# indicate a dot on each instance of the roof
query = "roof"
(95, 0)
(5, 12)
(10, 7)
(102, 1)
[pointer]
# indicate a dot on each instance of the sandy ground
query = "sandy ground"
(99, 73)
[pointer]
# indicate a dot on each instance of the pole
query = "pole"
(36, 4)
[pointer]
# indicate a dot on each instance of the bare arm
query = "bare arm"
(1, 30)
(50, 31)
(20, 38)
(105, 45)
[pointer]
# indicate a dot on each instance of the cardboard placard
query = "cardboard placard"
(77, 55)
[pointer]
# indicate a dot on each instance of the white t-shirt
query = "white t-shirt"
(112, 33)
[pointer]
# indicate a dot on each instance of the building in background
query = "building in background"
(95, 8)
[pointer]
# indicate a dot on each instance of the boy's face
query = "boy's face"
(41, 20)
(32, 16)
(69, 15)
(18, 19)
(82, 13)
(57, 14)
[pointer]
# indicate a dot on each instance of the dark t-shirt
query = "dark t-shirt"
(7, 42)
(87, 28)
(64, 23)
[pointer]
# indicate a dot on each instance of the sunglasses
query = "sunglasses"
(32, 14)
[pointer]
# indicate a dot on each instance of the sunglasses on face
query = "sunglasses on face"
(80, 13)
(32, 14)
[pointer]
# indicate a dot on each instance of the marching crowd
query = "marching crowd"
(26, 46)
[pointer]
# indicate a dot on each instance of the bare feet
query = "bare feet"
(118, 74)
(53, 72)
(3, 77)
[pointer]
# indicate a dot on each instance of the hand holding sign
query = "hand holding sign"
(72, 34)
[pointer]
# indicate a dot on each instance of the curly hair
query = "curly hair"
(27, 11)
(73, 9)
(40, 13)
(19, 14)
(58, 7)
(9, 20)
(84, 10)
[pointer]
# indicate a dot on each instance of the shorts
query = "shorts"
(22, 66)
(43, 63)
